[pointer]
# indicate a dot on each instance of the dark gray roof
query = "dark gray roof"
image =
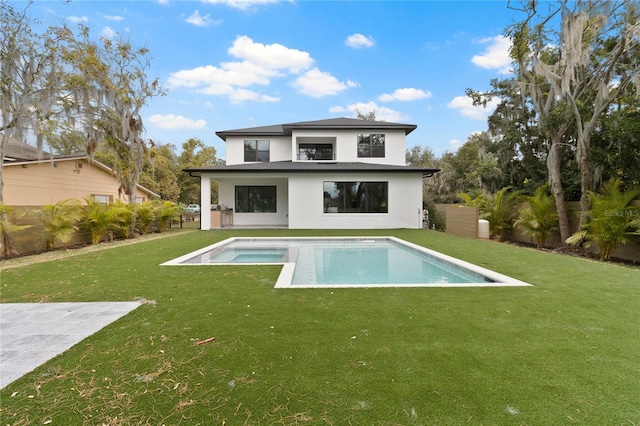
(15, 151)
(331, 123)
(309, 166)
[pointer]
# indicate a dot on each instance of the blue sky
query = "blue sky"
(229, 64)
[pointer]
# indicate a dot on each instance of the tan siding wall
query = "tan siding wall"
(39, 184)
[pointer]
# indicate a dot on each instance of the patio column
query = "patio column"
(205, 202)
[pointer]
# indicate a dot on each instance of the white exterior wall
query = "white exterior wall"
(279, 148)
(227, 197)
(346, 149)
(346, 146)
(306, 207)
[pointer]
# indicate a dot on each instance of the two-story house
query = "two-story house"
(332, 174)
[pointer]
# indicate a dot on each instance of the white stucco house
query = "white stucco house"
(326, 174)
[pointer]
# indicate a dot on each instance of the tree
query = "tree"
(32, 86)
(573, 74)
(161, 171)
(616, 143)
(117, 73)
(516, 142)
(369, 116)
(195, 154)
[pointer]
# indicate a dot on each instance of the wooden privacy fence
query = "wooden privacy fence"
(462, 221)
(30, 240)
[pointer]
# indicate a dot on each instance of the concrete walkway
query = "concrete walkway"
(33, 333)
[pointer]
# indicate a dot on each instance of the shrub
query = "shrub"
(60, 221)
(97, 220)
(611, 220)
(538, 216)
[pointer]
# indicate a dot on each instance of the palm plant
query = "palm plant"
(60, 221)
(538, 216)
(97, 220)
(124, 218)
(166, 211)
(499, 209)
(611, 220)
(144, 216)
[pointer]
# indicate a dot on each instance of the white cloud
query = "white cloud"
(174, 122)
(455, 143)
(111, 17)
(318, 83)
(405, 95)
(358, 41)
(228, 74)
(78, 19)
(382, 113)
(465, 107)
(163, 2)
(241, 4)
(108, 32)
(241, 95)
(202, 21)
(496, 54)
(272, 56)
(258, 64)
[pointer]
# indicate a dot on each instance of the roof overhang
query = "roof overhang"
(308, 167)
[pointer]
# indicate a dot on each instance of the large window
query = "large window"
(256, 199)
(371, 145)
(356, 197)
(256, 150)
(315, 151)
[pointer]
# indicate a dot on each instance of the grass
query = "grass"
(562, 352)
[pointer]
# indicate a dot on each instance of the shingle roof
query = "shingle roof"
(20, 151)
(308, 166)
(331, 123)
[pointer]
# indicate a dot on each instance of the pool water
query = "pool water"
(345, 262)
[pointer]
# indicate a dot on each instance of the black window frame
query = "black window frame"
(254, 199)
(257, 150)
(371, 145)
(315, 151)
(356, 197)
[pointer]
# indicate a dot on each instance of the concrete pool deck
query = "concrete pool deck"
(33, 333)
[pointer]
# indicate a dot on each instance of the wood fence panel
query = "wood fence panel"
(462, 221)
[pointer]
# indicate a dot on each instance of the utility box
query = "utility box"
(483, 229)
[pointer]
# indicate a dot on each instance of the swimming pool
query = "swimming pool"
(348, 262)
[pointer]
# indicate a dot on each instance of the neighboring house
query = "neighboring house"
(29, 181)
(337, 173)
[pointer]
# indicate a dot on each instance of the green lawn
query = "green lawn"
(564, 351)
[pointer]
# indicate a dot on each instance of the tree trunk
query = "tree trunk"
(586, 185)
(554, 166)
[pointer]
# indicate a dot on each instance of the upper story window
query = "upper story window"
(371, 145)
(315, 151)
(256, 150)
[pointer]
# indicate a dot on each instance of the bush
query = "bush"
(611, 220)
